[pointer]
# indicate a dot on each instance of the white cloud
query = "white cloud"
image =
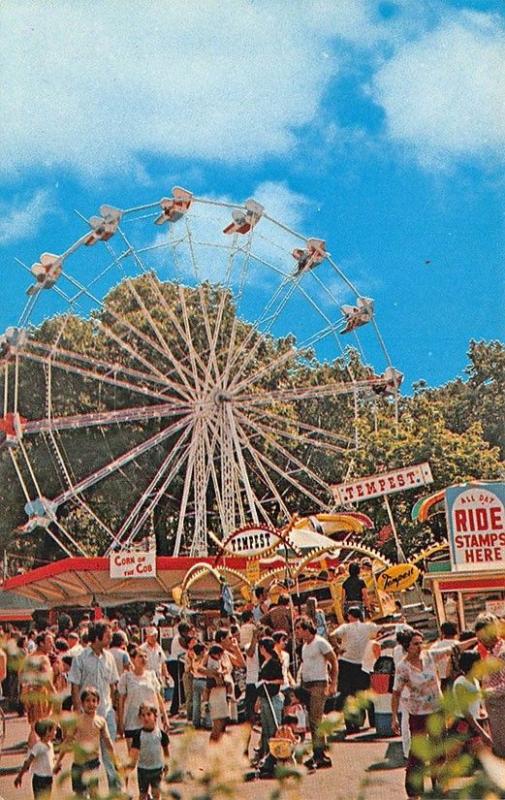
(23, 218)
(105, 81)
(443, 95)
(206, 258)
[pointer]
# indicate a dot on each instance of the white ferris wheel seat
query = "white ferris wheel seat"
(175, 207)
(358, 315)
(309, 257)
(104, 227)
(244, 220)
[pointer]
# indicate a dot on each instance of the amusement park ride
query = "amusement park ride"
(220, 418)
(194, 354)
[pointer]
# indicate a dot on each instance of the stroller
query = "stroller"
(281, 746)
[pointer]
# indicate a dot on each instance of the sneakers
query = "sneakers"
(323, 762)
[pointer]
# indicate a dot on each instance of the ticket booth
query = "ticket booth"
(461, 596)
(473, 580)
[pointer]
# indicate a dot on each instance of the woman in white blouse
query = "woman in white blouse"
(137, 687)
(418, 672)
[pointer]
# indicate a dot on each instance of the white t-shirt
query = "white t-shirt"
(469, 689)
(355, 637)
(121, 658)
(252, 667)
(399, 655)
(138, 689)
(246, 634)
(314, 663)
(155, 657)
(369, 657)
(177, 651)
(443, 664)
(284, 657)
(43, 759)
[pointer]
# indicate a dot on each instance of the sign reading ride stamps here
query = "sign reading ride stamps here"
(476, 526)
(398, 480)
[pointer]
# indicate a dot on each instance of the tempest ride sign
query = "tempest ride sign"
(397, 480)
(133, 564)
(476, 526)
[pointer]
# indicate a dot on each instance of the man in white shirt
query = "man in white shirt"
(175, 666)
(319, 680)
(355, 636)
(448, 635)
(74, 644)
(155, 655)
(252, 666)
(96, 667)
(247, 629)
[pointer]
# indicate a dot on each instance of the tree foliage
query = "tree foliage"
(457, 427)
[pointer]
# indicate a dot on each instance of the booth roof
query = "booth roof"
(15, 608)
(82, 581)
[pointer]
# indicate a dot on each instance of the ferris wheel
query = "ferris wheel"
(179, 366)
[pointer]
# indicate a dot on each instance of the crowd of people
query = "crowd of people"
(273, 668)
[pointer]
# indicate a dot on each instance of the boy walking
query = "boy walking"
(149, 753)
(41, 760)
(90, 732)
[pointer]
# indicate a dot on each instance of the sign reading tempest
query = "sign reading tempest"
(476, 526)
(131, 564)
(398, 577)
(397, 480)
(252, 540)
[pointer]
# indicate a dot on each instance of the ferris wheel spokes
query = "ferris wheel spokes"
(266, 434)
(263, 472)
(279, 470)
(103, 418)
(121, 461)
(142, 305)
(303, 440)
(242, 471)
(103, 378)
(306, 426)
(153, 502)
(110, 367)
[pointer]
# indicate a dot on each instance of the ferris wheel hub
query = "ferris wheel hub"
(221, 397)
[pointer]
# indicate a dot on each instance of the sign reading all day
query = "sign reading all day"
(476, 526)
(132, 564)
(397, 480)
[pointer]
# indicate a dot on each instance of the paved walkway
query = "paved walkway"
(363, 767)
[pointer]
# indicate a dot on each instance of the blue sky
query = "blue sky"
(377, 126)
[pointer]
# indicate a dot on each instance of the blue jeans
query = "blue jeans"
(113, 779)
(268, 723)
(199, 686)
